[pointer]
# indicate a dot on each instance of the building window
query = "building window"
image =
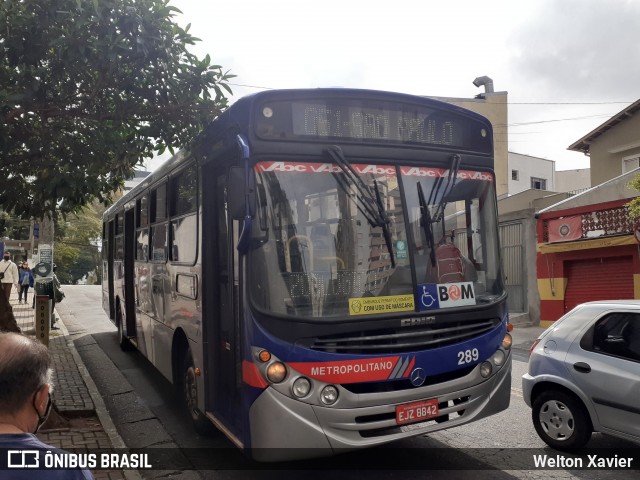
(515, 175)
(538, 183)
(630, 163)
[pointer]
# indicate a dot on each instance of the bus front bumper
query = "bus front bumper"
(283, 428)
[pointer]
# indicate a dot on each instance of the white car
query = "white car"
(584, 375)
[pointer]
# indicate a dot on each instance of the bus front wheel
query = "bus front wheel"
(190, 396)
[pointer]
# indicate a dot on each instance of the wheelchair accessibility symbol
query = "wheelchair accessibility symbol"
(427, 299)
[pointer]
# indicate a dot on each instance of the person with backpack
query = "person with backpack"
(9, 274)
(450, 265)
(26, 281)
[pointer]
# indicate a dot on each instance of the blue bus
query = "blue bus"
(319, 272)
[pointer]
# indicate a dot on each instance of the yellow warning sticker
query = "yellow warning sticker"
(369, 305)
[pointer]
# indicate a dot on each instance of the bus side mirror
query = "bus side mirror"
(239, 189)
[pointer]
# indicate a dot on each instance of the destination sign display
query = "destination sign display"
(371, 122)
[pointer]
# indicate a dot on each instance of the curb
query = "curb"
(100, 408)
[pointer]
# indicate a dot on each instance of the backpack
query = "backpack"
(449, 267)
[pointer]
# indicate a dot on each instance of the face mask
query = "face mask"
(7, 258)
(43, 418)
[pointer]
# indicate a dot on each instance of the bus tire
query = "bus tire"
(123, 341)
(189, 386)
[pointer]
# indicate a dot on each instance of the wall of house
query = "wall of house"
(608, 149)
(527, 167)
(553, 276)
(533, 199)
(606, 232)
(527, 219)
(573, 180)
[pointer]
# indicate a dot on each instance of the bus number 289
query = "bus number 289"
(468, 356)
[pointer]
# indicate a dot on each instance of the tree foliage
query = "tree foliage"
(634, 205)
(88, 90)
(77, 240)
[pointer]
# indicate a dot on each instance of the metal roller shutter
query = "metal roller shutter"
(608, 278)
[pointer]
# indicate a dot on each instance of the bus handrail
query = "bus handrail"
(338, 260)
(288, 250)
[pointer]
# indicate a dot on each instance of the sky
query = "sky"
(567, 65)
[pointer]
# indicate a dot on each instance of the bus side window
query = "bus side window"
(183, 189)
(142, 245)
(142, 232)
(159, 243)
(158, 205)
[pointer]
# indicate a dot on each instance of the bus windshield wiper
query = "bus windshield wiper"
(369, 203)
(448, 188)
(385, 222)
(426, 219)
(427, 224)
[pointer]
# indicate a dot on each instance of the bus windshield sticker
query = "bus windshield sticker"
(444, 172)
(369, 305)
(363, 169)
(432, 296)
(356, 371)
(295, 167)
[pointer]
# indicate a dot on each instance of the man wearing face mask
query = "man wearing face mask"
(25, 401)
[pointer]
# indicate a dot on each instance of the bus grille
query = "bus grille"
(403, 339)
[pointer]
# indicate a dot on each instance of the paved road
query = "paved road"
(146, 413)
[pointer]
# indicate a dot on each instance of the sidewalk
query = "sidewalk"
(75, 395)
(524, 336)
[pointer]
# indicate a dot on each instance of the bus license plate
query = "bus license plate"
(417, 411)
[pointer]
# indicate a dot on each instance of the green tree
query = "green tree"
(88, 90)
(634, 205)
(76, 251)
(64, 256)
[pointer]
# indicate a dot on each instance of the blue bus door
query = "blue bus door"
(129, 252)
(110, 274)
(221, 314)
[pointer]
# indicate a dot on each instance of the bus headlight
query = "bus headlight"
(507, 341)
(329, 395)
(498, 358)
(276, 372)
(486, 369)
(301, 387)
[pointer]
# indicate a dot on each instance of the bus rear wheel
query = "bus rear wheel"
(201, 424)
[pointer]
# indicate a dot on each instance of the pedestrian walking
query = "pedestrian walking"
(25, 402)
(9, 274)
(26, 281)
(57, 295)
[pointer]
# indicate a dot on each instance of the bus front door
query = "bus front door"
(220, 282)
(129, 253)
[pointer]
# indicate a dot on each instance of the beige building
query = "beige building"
(573, 181)
(493, 106)
(613, 147)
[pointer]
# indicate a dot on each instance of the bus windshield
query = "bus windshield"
(323, 239)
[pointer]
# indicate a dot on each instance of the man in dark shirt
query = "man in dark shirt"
(25, 400)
